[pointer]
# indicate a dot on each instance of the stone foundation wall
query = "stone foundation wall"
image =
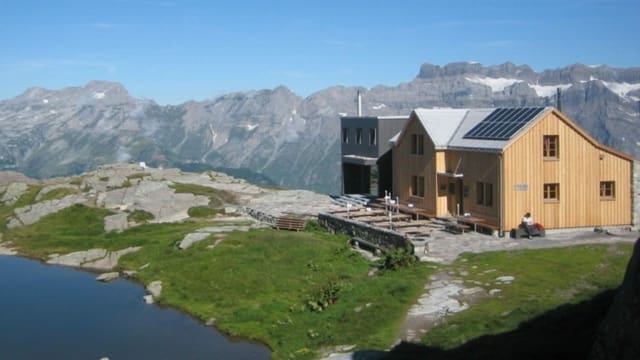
(260, 216)
(636, 194)
(385, 239)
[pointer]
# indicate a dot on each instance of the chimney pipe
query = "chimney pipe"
(359, 104)
(558, 99)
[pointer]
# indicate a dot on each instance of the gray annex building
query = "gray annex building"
(366, 153)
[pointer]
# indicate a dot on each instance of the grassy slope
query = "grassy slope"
(544, 280)
(256, 284)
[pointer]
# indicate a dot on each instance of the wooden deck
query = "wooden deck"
(415, 221)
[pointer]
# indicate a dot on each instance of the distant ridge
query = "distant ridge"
(279, 137)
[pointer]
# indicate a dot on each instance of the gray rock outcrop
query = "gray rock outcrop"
(117, 222)
(107, 277)
(154, 197)
(97, 259)
(280, 138)
(155, 288)
(13, 192)
(618, 337)
(191, 239)
(31, 214)
(47, 189)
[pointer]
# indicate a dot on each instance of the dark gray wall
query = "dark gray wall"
(353, 148)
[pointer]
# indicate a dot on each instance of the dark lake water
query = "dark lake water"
(53, 312)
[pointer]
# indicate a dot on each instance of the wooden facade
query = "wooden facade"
(500, 186)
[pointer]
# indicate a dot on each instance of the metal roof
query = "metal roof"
(440, 124)
(448, 127)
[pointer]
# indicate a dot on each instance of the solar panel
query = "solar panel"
(503, 123)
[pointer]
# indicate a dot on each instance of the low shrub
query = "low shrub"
(140, 216)
(203, 211)
(398, 258)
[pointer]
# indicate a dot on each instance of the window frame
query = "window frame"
(551, 147)
(607, 190)
(373, 140)
(345, 135)
(484, 194)
(417, 186)
(359, 136)
(551, 192)
(479, 193)
(417, 144)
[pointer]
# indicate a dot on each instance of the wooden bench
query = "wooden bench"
(289, 223)
(456, 228)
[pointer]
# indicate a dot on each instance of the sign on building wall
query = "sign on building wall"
(522, 187)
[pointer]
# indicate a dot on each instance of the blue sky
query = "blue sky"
(173, 51)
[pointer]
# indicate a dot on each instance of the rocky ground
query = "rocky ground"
(126, 188)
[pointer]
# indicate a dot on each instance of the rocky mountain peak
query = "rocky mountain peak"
(278, 135)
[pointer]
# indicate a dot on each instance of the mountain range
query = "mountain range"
(277, 137)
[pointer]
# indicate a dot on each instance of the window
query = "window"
(345, 135)
(358, 136)
(417, 186)
(484, 193)
(372, 137)
(479, 193)
(607, 190)
(488, 194)
(551, 192)
(417, 144)
(550, 147)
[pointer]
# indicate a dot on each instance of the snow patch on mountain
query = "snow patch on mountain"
(98, 95)
(622, 89)
(378, 107)
(496, 84)
(548, 90)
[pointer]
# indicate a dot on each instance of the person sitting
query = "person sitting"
(527, 224)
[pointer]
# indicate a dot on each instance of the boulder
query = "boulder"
(618, 336)
(191, 239)
(129, 274)
(117, 222)
(155, 288)
(148, 299)
(107, 277)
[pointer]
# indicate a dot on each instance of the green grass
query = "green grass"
(203, 211)
(76, 181)
(140, 216)
(217, 197)
(544, 280)
(58, 193)
(138, 175)
(256, 284)
(80, 228)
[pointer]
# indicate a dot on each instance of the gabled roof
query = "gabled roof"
(475, 117)
(440, 124)
(448, 127)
